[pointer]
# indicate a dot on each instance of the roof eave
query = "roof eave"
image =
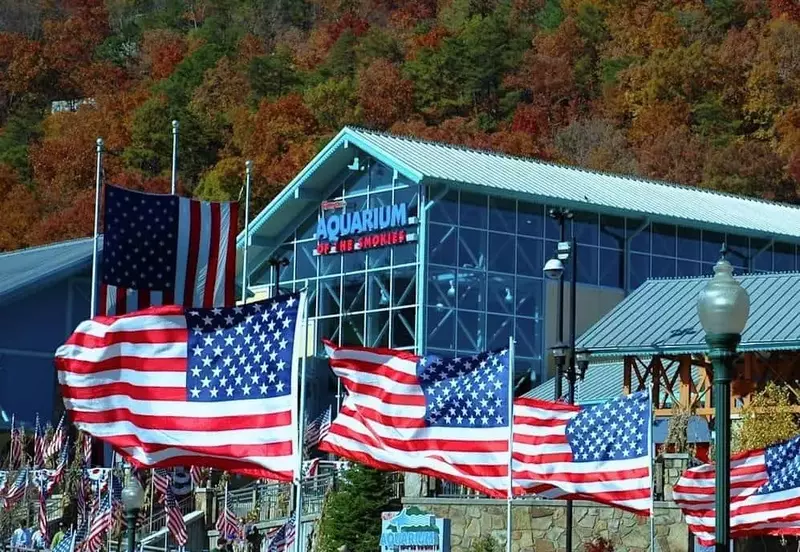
(65, 271)
(637, 350)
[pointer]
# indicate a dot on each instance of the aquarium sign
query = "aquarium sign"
(413, 529)
(361, 230)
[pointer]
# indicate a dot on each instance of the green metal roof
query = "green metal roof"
(603, 381)
(660, 317)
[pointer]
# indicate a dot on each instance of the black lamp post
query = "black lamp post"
(132, 496)
(582, 359)
(277, 263)
(723, 308)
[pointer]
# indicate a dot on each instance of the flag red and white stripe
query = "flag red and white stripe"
(16, 447)
(57, 440)
(227, 525)
(38, 445)
(176, 525)
(86, 449)
(100, 525)
(204, 260)
(382, 424)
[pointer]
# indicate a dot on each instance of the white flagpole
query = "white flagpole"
(245, 276)
(298, 518)
(174, 180)
(510, 441)
(652, 462)
(152, 498)
(97, 186)
(111, 500)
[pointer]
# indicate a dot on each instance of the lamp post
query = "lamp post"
(276, 263)
(723, 307)
(132, 496)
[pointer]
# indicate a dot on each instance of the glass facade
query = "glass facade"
(483, 273)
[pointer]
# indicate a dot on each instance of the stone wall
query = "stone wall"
(539, 525)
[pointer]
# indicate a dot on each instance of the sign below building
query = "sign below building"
(414, 529)
(361, 230)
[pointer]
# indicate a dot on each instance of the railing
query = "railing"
(158, 520)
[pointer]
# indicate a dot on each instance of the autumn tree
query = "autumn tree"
(767, 419)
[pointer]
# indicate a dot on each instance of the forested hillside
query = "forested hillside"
(698, 92)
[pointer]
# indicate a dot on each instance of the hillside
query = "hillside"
(698, 92)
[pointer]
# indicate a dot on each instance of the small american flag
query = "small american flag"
(161, 481)
(283, 538)
(81, 500)
(16, 491)
(42, 517)
(38, 445)
(86, 449)
(200, 386)
(166, 250)
(175, 522)
(448, 418)
(16, 447)
(100, 524)
(57, 440)
(600, 453)
(765, 493)
(318, 429)
(311, 467)
(68, 543)
(227, 525)
(198, 478)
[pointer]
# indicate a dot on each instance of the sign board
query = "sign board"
(413, 529)
(361, 230)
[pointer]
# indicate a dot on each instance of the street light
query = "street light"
(559, 351)
(132, 497)
(723, 307)
(582, 358)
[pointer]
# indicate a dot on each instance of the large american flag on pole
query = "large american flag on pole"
(600, 453)
(765, 493)
(448, 418)
(171, 386)
(166, 250)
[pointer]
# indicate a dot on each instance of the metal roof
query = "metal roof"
(660, 317)
(37, 266)
(603, 381)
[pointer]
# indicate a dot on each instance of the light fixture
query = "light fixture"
(451, 292)
(723, 305)
(132, 494)
(384, 298)
(554, 269)
(559, 351)
(508, 297)
(582, 361)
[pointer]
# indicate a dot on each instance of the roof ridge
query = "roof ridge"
(632, 177)
(44, 246)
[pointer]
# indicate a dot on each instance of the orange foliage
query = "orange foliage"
(22, 59)
(20, 210)
(162, 51)
(384, 94)
(70, 43)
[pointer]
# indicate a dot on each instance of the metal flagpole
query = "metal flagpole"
(248, 171)
(174, 180)
(111, 500)
(298, 508)
(652, 461)
(97, 186)
(152, 499)
(510, 441)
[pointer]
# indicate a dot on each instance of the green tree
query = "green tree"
(273, 75)
(352, 513)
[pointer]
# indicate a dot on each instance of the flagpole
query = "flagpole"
(152, 500)
(652, 461)
(298, 518)
(510, 441)
(97, 186)
(174, 179)
(110, 500)
(247, 175)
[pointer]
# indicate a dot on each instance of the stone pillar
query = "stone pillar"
(414, 485)
(205, 501)
(674, 464)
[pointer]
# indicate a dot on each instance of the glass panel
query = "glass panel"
(378, 329)
(501, 293)
(640, 269)
(640, 240)
(285, 251)
(529, 337)
(612, 232)
(354, 262)
(663, 267)
(587, 264)
(358, 181)
(353, 329)
(528, 366)
(403, 329)
(308, 229)
(380, 199)
(471, 288)
(330, 296)
(379, 258)
(498, 330)
(585, 226)
(611, 268)
(441, 287)
(739, 249)
(328, 328)
(528, 297)
(306, 261)
(380, 176)
(330, 264)
(664, 240)
(530, 221)
(469, 331)
(442, 244)
(441, 328)
(409, 196)
(712, 244)
(404, 288)
(444, 209)
(783, 257)
(761, 254)
(689, 243)
(472, 248)
(530, 259)
(688, 268)
(354, 288)
(379, 295)
(311, 297)
(553, 228)
(501, 252)
(405, 254)
(473, 210)
(502, 214)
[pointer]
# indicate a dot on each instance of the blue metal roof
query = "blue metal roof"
(603, 381)
(660, 317)
(37, 266)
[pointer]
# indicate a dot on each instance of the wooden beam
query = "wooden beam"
(626, 375)
(685, 373)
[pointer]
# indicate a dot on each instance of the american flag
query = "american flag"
(765, 493)
(16, 491)
(200, 386)
(81, 499)
(100, 524)
(16, 447)
(311, 467)
(176, 526)
(600, 453)
(283, 538)
(196, 472)
(68, 543)
(38, 445)
(57, 440)
(166, 250)
(42, 517)
(161, 481)
(317, 429)
(448, 418)
(3, 481)
(227, 525)
(86, 448)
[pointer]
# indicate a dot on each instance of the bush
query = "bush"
(484, 544)
(598, 544)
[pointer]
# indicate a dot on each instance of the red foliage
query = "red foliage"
(785, 8)
(348, 22)
(432, 39)
(162, 51)
(384, 94)
(598, 544)
(21, 59)
(20, 210)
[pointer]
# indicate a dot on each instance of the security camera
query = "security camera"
(554, 269)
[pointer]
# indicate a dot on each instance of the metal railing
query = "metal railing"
(158, 520)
